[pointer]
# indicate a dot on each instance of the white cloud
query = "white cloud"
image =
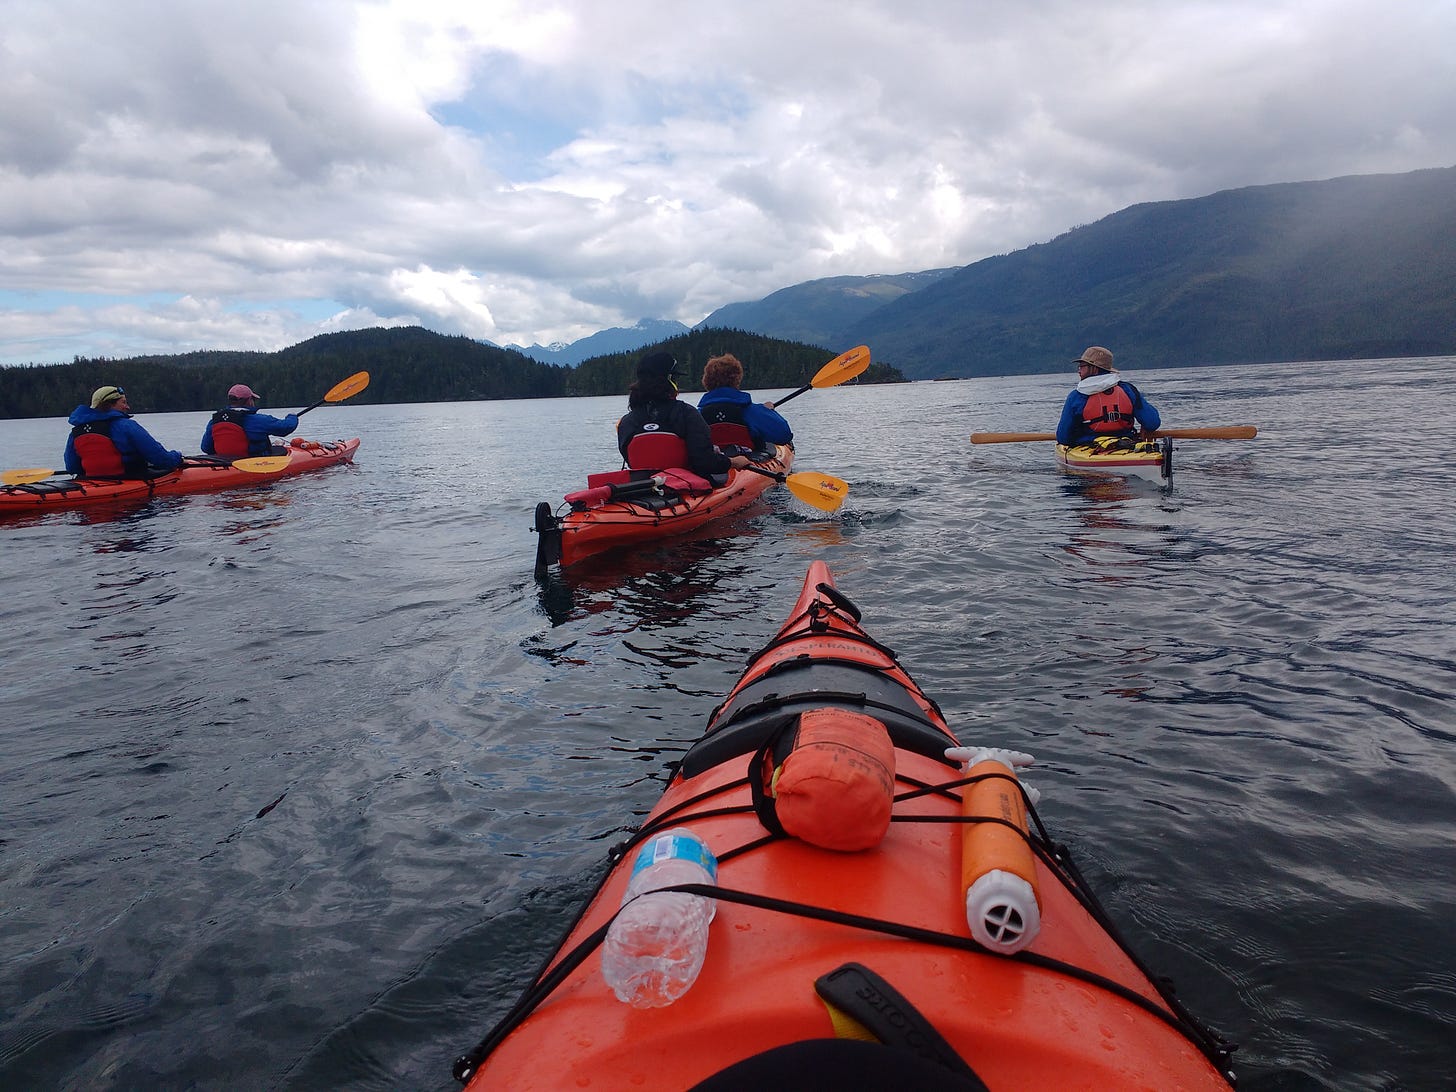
(535, 171)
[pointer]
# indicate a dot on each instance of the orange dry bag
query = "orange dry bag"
(828, 778)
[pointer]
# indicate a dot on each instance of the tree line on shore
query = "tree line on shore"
(405, 364)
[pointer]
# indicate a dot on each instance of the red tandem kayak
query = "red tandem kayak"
(199, 474)
(615, 512)
(887, 915)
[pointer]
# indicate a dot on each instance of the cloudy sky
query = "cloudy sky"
(184, 174)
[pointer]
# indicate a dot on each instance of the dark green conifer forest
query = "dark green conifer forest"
(405, 364)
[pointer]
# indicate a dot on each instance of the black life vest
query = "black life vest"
(726, 425)
(99, 455)
(229, 438)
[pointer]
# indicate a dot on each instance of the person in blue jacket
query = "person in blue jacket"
(106, 443)
(240, 430)
(1103, 403)
(725, 404)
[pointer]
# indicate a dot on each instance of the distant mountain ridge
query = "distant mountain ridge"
(1349, 268)
(1361, 266)
(618, 339)
(816, 312)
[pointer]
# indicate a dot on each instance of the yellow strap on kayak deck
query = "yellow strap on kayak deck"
(846, 1026)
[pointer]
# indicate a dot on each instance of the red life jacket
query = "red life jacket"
(1109, 411)
(229, 439)
(99, 455)
(656, 451)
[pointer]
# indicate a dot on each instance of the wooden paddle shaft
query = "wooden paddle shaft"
(1221, 432)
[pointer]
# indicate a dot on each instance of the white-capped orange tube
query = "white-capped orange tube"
(998, 869)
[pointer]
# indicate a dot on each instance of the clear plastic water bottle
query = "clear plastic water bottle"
(655, 947)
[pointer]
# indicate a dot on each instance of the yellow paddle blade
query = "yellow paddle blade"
(347, 388)
(819, 490)
(842, 368)
(27, 477)
(263, 464)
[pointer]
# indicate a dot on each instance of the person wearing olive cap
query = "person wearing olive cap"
(106, 443)
(1103, 403)
(654, 415)
(240, 430)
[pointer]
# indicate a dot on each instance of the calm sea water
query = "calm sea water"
(301, 782)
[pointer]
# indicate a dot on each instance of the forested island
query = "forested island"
(405, 364)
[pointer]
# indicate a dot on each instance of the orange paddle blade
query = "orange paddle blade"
(842, 368)
(347, 388)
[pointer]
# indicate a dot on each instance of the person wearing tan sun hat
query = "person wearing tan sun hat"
(240, 430)
(1103, 403)
(106, 443)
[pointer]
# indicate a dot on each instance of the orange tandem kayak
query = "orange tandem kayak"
(637, 513)
(199, 474)
(859, 966)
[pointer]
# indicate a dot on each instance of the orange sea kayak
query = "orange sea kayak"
(200, 474)
(641, 514)
(857, 965)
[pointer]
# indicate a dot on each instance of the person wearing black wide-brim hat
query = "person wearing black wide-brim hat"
(1103, 403)
(653, 409)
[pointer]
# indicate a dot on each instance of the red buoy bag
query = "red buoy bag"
(828, 778)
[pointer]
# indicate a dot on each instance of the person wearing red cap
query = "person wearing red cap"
(1103, 403)
(240, 430)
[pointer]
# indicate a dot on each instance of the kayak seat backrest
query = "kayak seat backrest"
(743, 724)
(656, 451)
(731, 432)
